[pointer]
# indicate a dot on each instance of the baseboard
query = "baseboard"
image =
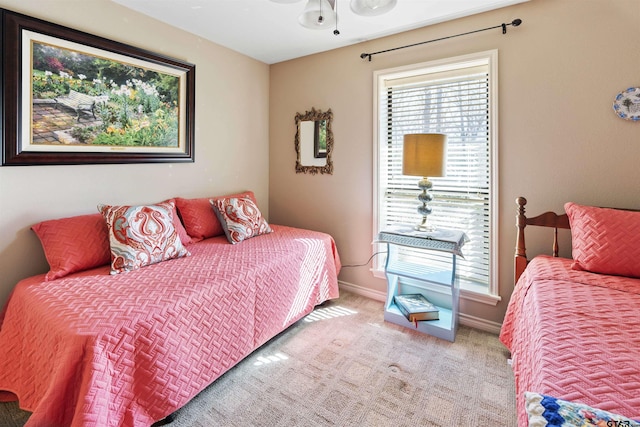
(365, 292)
(465, 319)
(479, 323)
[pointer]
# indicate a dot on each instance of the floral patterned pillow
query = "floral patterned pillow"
(240, 218)
(141, 235)
(545, 410)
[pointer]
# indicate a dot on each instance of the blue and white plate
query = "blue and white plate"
(627, 104)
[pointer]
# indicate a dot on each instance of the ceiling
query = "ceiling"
(270, 32)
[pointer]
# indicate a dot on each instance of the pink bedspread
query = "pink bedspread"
(575, 335)
(92, 349)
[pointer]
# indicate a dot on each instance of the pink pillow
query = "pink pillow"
(198, 216)
(605, 240)
(182, 233)
(240, 218)
(141, 235)
(73, 244)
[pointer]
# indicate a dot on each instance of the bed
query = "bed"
(572, 325)
(92, 348)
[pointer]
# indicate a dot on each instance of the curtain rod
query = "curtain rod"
(515, 23)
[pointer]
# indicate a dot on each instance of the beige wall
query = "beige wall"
(559, 139)
(232, 90)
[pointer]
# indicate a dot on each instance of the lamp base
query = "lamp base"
(425, 197)
(423, 226)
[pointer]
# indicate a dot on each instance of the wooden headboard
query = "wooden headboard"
(547, 219)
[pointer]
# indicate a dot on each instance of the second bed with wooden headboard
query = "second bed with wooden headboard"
(572, 324)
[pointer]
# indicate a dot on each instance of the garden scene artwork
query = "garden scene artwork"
(82, 99)
(71, 97)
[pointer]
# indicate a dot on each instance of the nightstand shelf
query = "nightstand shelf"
(411, 270)
(445, 323)
(437, 282)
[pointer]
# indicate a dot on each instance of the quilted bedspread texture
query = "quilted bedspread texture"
(93, 349)
(575, 335)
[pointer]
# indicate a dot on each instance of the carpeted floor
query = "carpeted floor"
(344, 366)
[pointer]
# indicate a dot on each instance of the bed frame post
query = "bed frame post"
(521, 250)
(547, 219)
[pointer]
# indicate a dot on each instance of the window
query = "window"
(457, 97)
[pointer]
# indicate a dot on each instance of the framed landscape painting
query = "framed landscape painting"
(70, 97)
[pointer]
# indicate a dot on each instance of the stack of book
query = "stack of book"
(416, 307)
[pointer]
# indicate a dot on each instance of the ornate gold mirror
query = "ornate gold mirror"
(314, 142)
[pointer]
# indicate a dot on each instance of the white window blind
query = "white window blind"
(454, 99)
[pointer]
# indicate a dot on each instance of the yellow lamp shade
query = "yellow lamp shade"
(424, 154)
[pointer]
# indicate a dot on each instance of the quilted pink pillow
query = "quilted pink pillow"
(605, 240)
(73, 244)
(141, 235)
(182, 233)
(199, 219)
(240, 218)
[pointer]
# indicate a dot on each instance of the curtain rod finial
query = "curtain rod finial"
(514, 23)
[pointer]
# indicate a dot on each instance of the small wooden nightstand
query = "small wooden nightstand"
(437, 281)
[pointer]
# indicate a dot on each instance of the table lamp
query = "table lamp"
(424, 154)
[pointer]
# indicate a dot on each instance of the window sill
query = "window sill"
(482, 297)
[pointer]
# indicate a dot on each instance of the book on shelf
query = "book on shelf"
(416, 307)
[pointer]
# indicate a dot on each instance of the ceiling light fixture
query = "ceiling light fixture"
(323, 14)
(372, 7)
(318, 15)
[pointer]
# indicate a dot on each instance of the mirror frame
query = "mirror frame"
(315, 116)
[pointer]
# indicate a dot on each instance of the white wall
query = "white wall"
(559, 139)
(232, 92)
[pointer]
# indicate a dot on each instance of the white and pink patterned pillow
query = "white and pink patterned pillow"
(141, 235)
(240, 218)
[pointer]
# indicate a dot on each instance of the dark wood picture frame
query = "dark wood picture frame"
(18, 147)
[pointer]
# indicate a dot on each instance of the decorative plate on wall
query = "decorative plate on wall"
(627, 104)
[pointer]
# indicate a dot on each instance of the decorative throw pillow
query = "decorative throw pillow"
(240, 218)
(545, 410)
(605, 240)
(73, 244)
(199, 219)
(141, 235)
(182, 233)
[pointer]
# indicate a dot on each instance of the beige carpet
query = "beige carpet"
(344, 366)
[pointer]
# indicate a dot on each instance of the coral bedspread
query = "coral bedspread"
(92, 349)
(575, 335)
